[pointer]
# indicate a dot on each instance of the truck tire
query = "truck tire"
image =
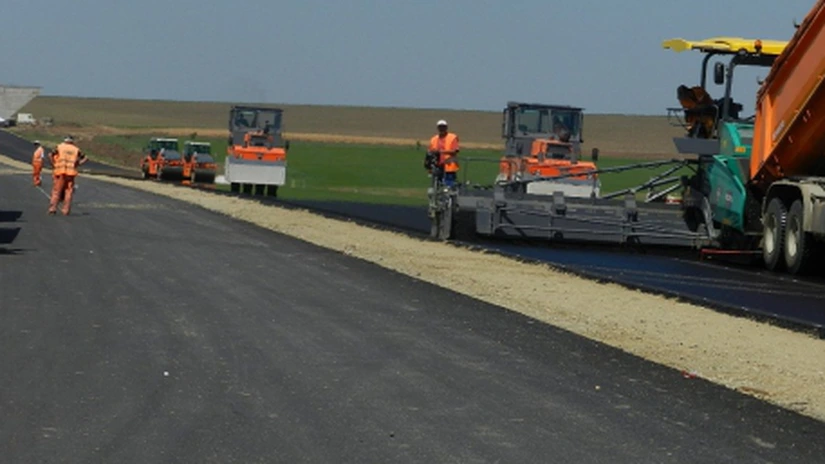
(798, 243)
(774, 234)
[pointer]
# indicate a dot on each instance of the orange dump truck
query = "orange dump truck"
(787, 165)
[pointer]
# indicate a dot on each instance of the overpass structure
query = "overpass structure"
(13, 98)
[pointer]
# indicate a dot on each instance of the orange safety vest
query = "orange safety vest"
(37, 157)
(66, 160)
(446, 147)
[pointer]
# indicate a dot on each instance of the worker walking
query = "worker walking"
(444, 144)
(37, 162)
(66, 158)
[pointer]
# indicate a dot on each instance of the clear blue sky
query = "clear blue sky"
(604, 55)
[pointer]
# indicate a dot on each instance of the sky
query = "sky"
(603, 55)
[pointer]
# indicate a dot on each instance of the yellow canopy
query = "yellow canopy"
(726, 45)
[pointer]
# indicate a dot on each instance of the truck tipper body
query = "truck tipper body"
(787, 164)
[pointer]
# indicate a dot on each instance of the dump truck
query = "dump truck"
(162, 159)
(198, 164)
(761, 182)
(256, 152)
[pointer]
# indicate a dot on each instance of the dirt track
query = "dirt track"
(781, 366)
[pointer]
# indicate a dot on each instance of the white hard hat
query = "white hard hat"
(68, 138)
(441, 123)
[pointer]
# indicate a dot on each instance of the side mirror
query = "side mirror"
(286, 145)
(594, 155)
(719, 73)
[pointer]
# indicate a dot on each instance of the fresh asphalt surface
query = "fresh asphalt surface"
(740, 289)
(140, 329)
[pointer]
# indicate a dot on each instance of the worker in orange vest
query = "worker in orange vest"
(445, 145)
(67, 157)
(37, 162)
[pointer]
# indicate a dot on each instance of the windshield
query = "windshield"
(548, 121)
(204, 158)
(200, 149)
(167, 144)
(261, 119)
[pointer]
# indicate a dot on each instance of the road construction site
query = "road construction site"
(767, 374)
(360, 344)
(678, 319)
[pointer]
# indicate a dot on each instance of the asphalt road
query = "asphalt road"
(143, 330)
(725, 285)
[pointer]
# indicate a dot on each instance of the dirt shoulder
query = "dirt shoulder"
(781, 366)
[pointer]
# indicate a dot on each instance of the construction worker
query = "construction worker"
(37, 162)
(444, 144)
(700, 111)
(67, 157)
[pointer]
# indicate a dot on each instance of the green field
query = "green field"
(387, 168)
(346, 172)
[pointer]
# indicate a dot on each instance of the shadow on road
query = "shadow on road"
(10, 216)
(8, 234)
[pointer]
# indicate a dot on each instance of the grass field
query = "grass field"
(342, 153)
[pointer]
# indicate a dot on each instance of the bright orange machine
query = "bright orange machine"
(543, 149)
(548, 158)
(161, 159)
(789, 132)
(198, 163)
(256, 152)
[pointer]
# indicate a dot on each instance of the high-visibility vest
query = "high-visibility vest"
(37, 157)
(66, 159)
(447, 147)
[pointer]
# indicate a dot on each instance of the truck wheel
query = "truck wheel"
(798, 244)
(234, 187)
(774, 234)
